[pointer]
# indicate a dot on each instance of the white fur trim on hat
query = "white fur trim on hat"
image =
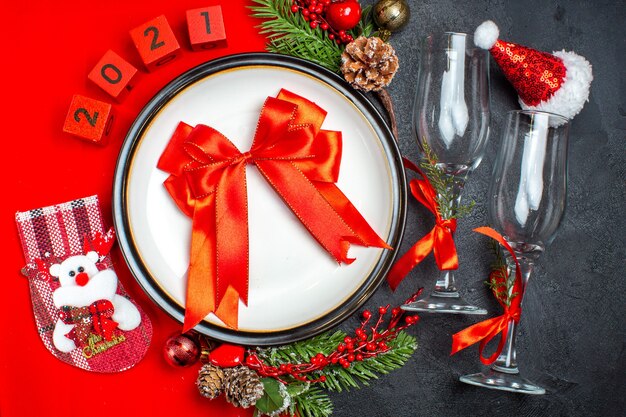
(486, 34)
(568, 100)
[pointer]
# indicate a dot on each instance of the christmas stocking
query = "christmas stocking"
(83, 314)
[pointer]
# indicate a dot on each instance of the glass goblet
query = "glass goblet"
(451, 124)
(526, 204)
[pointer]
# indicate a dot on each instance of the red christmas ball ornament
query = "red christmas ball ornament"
(344, 14)
(227, 355)
(182, 350)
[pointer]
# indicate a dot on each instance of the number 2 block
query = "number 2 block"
(206, 28)
(114, 75)
(156, 43)
(89, 119)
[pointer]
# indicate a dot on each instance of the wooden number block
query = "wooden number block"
(156, 43)
(206, 28)
(114, 75)
(89, 119)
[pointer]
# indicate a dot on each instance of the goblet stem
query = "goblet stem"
(504, 374)
(507, 361)
(445, 285)
(445, 298)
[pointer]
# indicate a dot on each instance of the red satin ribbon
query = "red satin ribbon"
(439, 240)
(486, 330)
(208, 183)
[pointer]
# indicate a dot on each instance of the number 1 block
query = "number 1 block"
(206, 28)
(114, 75)
(89, 119)
(156, 43)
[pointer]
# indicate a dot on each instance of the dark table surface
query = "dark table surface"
(572, 336)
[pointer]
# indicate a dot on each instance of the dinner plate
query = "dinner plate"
(296, 289)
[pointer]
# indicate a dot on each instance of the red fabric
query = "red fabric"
(49, 48)
(535, 75)
(298, 159)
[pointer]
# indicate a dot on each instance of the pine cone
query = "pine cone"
(210, 381)
(369, 63)
(242, 386)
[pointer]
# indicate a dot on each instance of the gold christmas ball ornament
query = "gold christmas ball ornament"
(391, 15)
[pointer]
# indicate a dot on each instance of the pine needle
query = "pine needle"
(443, 184)
(312, 403)
(302, 351)
(366, 26)
(500, 280)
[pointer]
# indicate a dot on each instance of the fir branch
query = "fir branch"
(500, 281)
(301, 351)
(288, 33)
(338, 378)
(360, 373)
(314, 402)
(333, 361)
(443, 184)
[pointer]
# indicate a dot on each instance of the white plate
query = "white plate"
(296, 288)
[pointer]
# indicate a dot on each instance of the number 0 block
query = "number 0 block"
(156, 43)
(89, 119)
(114, 75)
(206, 28)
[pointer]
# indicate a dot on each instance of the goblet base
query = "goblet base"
(448, 303)
(511, 382)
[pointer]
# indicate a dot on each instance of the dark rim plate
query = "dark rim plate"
(131, 251)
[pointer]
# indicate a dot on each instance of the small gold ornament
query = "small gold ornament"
(391, 15)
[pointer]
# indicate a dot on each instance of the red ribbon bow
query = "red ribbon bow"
(486, 330)
(208, 183)
(96, 317)
(439, 240)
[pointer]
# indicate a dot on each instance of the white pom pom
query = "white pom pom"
(568, 100)
(486, 34)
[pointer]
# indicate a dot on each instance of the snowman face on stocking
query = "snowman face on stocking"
(76, 270)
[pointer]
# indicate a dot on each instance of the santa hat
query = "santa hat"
(556, 83)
